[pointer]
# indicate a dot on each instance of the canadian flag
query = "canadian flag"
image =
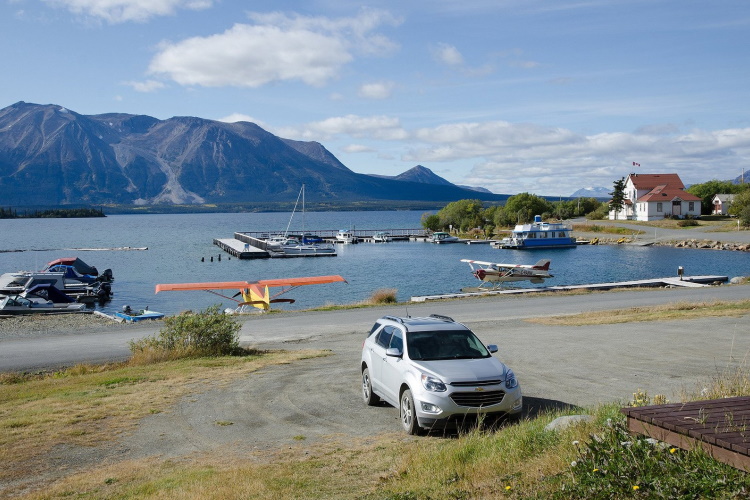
(636, 164)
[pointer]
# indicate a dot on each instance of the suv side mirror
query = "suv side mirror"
(492, 348)
(394, 352)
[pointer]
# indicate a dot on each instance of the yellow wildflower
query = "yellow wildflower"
(636, 487)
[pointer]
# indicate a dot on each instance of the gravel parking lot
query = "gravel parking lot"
(320, 398)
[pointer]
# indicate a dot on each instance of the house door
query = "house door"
(676, 208)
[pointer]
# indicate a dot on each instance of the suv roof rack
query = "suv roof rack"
(440, 316)
(395, 318)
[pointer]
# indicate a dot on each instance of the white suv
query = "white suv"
(437, 372)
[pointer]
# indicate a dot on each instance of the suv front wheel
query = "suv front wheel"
(409, 414)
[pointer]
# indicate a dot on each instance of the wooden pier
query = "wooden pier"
(686, 281)
(718, 426)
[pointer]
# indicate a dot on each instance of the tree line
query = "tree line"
(466, 215)
(61, 213)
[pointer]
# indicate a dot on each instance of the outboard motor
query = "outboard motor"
(106, 276)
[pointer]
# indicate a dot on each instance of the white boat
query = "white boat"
(538, 235)
(382, 237)
(304, 246)
(295, 247)
(39, 299)
(346, 236)
(443, 237)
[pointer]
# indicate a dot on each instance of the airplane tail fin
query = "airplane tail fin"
(542, 265)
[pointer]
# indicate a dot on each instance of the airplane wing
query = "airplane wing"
(310, 280)
(478, 262)
(219, 285)
(254, 293)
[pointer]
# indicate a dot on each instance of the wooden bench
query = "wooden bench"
(720, 426)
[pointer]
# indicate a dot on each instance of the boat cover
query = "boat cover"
(49, 292)
(76, 263)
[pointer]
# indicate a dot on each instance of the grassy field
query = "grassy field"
(597, 458)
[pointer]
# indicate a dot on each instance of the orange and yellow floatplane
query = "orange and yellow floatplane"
(254, 293)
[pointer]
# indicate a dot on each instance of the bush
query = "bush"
(688, 223)
(206, 333)
(383, 296)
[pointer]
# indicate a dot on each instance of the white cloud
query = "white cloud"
(357, 148)
(146, 86)
(237, 117)
(377, 127)
(276, 48)
(515, 157)
(448, 55)
(120, 11)
(376, 90)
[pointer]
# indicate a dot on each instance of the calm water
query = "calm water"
(176, 244)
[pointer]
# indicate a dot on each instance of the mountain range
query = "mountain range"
(50, 155)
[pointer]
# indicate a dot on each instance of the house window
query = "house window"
(691, 206)
(658, 207)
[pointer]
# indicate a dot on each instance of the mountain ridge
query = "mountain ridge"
(50, 155)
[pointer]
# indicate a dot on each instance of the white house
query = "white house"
(656, 196)
(721, 203)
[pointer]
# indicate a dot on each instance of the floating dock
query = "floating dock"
(686, 281)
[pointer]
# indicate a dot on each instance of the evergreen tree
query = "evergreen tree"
(618, 196)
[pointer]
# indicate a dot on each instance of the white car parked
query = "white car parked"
(437, 372)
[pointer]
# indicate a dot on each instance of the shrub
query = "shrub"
(206, 333)
(383, 296)
(688, 223)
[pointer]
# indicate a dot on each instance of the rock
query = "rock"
(562, 423)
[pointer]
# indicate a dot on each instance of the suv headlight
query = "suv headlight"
(433, 384)
(510, 379)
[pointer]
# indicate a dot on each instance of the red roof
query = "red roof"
(650, 181)
(662, 187)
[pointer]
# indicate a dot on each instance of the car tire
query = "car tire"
(408, 414)
(370, 397)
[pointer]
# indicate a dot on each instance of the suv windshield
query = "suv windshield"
(446, 344)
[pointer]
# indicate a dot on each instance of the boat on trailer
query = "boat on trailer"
(538, 234)
(42, 298)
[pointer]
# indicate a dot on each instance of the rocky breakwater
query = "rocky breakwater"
(710, 245)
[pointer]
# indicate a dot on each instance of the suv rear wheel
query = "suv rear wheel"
(409, 414)
(370, 397)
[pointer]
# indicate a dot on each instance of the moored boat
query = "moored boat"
(443, 237)
(382, 237)
(346, 236)
(538, 234)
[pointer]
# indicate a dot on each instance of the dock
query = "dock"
(254, 244)
(686, 281)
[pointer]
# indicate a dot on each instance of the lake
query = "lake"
(177, 242)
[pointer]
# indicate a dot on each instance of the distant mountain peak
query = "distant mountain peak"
(423, 175)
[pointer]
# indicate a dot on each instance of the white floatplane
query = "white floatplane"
(254, 293)
(493, 275)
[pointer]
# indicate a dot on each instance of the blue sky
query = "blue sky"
(540, 96)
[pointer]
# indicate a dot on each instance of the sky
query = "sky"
(537, 96)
